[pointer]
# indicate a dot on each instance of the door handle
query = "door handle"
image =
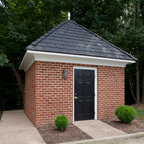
(76, 97)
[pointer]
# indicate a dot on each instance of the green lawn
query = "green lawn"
(1, 114)
(140, 112)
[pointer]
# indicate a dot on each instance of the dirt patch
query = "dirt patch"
(52, 136)
(137, 105)
(1, 112)
(135, 126)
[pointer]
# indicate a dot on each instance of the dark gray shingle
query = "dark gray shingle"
(71, 38)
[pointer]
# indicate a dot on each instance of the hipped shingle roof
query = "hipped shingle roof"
(71, 38)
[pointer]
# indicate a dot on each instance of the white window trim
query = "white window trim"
(95, 88)
(32, 56)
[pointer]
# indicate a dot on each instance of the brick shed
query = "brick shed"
(73, 71)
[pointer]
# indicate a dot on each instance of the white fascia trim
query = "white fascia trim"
(32, 56)
(76, 56)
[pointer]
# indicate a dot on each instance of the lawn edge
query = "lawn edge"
(108, 139)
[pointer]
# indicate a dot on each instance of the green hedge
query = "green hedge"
(61, 122)
(125, 113)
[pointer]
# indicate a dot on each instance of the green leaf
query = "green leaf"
(3, 60)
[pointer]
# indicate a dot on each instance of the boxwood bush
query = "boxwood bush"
(125, 113)
(61, 122)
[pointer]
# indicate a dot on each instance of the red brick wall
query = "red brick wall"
(111, 90)
(30, 97)
(51, 95)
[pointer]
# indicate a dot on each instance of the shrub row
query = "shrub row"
(124, 113)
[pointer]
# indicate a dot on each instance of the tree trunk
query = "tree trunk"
(19, 80)
(131, 88)
(48, 26)
(137, 62)
(142, 100)
(136, 13)
(137, 83)
(71, 11)
(142, 10)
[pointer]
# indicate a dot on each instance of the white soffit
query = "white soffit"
(31, 56)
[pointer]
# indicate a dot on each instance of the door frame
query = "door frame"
(95, 88)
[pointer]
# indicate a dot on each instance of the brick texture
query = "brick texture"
(30, 97)
(111, 90)
(48, 95)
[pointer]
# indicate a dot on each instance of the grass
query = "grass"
(1, 114)
(140, 112)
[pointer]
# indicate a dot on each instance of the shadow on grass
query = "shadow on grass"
(140, 112)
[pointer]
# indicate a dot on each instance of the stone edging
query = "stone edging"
(108, 139)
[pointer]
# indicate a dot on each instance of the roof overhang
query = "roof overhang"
(31, 56)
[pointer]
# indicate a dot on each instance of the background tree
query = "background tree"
(132, 40)
(3, 60)
(23, 21)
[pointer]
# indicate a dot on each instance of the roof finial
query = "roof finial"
(69, 15)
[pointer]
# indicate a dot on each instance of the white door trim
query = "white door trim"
(95, 88)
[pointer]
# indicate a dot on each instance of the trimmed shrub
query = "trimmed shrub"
(125, 113)
(61, 122)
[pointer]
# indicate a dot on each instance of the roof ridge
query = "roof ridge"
(104, 40)
(48, 33)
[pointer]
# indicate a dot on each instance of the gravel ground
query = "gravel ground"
(52, 136)
(135, 126)
(139, 140)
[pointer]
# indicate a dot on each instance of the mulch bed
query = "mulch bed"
(52, 136)
(135, 126)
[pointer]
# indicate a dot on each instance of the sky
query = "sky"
(0, 2)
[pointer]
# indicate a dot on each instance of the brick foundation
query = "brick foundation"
(48, 95)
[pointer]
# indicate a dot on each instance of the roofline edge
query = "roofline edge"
(31, 56)
(105, 40)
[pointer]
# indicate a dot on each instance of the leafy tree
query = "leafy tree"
(131, 39)
(100, 16)
(21, 22)
(3, 60)
(118, 21)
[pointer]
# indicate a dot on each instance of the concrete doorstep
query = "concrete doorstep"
(136, 138)
(98, 129)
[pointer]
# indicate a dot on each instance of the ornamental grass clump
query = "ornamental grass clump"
(61, 122)
(125, 113)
